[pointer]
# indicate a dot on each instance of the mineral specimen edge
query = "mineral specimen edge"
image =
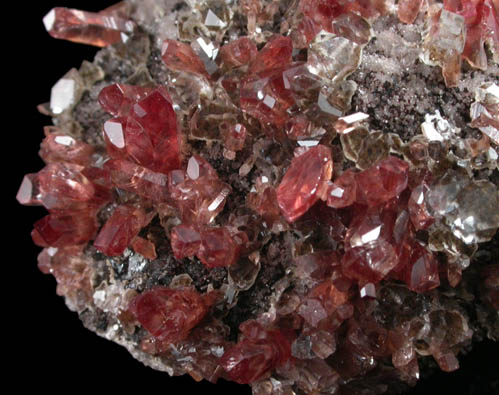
(362, 289)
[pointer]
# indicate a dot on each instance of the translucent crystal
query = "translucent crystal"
(484, 111)
(66, 92)
(477, 212)
(332, 57)
(444, 43)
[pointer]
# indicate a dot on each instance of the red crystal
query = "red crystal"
(238, 52)
(256, 355)
(99, 29)
(218, 248)
(422, 271)
(383, 181)
(145, 131)
(144, 247)
(62, 228)
(169, 314)
(420, 217)
(156, 115)
(305, 182)
(267, 96)
(185, 241)
(343, 191)
(198, 192)
(276, 53)
(181, 57)
(215, 247)
(120, 229)
(264, 200)
(369, 253)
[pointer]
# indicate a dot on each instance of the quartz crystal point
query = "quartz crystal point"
(476, 217)
(484, 111)
(332, 57)
(305, 182)
(99, 29)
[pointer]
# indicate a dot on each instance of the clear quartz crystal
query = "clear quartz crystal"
(66, 92)
(332, 57)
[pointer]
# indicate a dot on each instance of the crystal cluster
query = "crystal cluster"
(214, 192)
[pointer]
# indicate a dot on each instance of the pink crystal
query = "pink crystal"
(145, 130)
(305, 182)
(156, 115)
(238, 52)
(120, 229)
(408, 10)
(91, 28)
(235, 137)
(28, 193)
(181, 57)
(63, 186)
(369, 252)
(198, 192)
(138, 179)
(58, 147)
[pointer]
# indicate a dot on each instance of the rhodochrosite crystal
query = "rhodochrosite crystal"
(259, 191)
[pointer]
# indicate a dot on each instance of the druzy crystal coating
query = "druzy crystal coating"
(257, 224)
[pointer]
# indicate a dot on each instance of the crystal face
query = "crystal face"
(297, 196)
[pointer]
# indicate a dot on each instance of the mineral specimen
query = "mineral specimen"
(261, 192)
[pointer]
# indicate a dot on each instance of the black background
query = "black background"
(46, 343)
